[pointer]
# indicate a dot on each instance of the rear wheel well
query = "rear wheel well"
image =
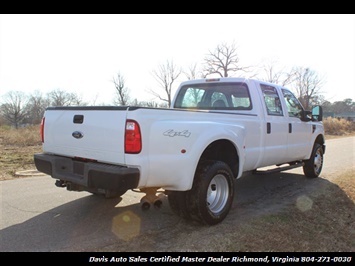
(225, 151)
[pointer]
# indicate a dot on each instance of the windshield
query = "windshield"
(214, 96)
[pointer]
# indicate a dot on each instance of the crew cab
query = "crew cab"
(215, 131)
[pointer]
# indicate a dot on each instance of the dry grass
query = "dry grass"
(338, 127)
(347, 183)
(329, 225)
(17, 147)
(27, 136)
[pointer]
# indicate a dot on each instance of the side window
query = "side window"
(272, 100)
(240, 98)
(294, 107)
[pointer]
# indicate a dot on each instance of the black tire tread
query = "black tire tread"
(308, 168)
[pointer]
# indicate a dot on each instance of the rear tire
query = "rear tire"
(210, 199)
(212, 193)
(178, 203)
(313, 166)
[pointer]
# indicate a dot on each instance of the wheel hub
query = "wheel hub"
(217, 194)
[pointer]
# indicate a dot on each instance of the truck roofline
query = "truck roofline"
(211, 80)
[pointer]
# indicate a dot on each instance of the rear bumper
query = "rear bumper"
(90, 175)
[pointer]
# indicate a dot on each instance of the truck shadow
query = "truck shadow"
(82, 224)
(259, 194)
(91, 222)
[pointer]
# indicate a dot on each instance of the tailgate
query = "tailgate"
(88, 132)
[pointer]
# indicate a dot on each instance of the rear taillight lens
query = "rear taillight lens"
(133, 138)
(42, 130)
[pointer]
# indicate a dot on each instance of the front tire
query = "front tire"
(313, 167)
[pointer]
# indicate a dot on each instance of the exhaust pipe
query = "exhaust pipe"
(151, 198)
(60, 183)
(145, 204)
(157, 203)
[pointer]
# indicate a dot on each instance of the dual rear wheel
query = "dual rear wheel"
(211, 196)
(210, 199)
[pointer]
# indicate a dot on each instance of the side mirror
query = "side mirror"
(306, 116)
(317, 113)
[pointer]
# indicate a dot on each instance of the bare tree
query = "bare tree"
(192, 72)
(62, 98)
(35, 107)
(274, 74)
(307, 85)
(13, 108)
(166, 76)
(76, 99)
(223, 61)
(151, 104)
(122, 92)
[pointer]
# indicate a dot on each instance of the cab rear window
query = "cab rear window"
(214, 96)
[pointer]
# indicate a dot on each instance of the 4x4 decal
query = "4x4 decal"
(173, 133)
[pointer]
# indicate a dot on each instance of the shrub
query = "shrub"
(338, 126)
(25, 136)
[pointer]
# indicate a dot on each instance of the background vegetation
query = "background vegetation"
(18, 108)
(338, 126)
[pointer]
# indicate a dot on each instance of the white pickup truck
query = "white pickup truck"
(215, 131)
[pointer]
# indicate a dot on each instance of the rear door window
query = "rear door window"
(272, 100)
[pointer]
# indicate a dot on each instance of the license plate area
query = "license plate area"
(78, 168)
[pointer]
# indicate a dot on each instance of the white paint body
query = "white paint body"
(173, 140)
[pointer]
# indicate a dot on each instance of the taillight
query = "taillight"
(42, 130)
(133, 138)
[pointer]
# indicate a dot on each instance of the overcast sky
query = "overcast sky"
(82, 53)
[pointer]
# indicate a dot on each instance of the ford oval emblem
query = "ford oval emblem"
(77, 134)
